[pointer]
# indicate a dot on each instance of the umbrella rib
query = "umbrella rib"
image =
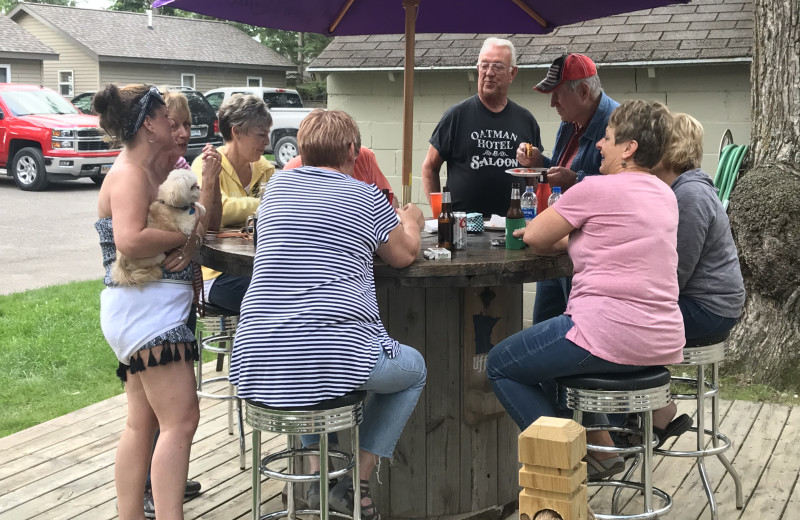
(530, 12)
(341, 14)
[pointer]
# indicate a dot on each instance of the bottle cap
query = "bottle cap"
(556, 189)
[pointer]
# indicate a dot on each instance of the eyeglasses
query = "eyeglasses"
(498, 68)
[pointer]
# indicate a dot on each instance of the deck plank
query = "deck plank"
(64, 469)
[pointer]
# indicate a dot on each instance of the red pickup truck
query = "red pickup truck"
(43, 137)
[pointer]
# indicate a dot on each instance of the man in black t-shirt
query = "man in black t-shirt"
(478, 138)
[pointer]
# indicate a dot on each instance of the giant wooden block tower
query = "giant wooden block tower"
(553, 474)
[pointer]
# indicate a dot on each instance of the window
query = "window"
(5, 73)
(254, 81)
(215, 98)
(65, 83)
(187, 80)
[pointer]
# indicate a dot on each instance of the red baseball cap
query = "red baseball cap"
(567, 67)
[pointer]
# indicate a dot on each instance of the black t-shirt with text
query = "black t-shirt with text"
(478, 146)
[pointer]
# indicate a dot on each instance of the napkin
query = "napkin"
(496, 221)
(431, 226)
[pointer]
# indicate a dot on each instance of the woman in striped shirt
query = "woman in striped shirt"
(310, 329)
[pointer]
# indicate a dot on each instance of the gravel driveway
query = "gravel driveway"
(48, 237)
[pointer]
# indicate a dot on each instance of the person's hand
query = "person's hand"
(535, 158)
(180, 257)
(212, 163)
(411, 213)
(561, 177)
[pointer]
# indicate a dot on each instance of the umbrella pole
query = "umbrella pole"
(410, 7)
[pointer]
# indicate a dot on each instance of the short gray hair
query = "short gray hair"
(499, 42)
(593, 82)
(243, 111)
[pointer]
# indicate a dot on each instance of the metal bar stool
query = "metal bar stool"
(220, 328)
(637, 393)
(702, 356)
(333, 415)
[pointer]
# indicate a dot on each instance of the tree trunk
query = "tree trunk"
(765, 206)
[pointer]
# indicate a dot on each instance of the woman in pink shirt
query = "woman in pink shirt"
(620, 231)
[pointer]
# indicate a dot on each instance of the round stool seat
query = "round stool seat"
(211, 309)
(329, 416)
(650, 377)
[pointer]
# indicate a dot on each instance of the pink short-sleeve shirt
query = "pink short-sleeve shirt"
(624, 298)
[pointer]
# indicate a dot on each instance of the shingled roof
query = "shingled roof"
(703, 31)
(19, 43)
(120, 35)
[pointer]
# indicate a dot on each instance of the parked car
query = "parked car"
(286, 109)
(44, 138)
(205, 125)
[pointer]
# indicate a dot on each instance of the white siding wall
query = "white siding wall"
(206, 78)
(24, 71)
(71, 57)
(718, 96)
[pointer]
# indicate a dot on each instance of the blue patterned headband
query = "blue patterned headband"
(143, 105)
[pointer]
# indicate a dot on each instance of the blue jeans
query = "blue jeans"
(551, 298)
(701, 325)
(393, 387)
(522, 369)
(228, 291)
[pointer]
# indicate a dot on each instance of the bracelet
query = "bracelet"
(188, 239)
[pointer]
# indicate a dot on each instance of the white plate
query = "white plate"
(526, 172)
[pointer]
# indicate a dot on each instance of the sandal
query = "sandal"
(341, 499)
(678, 426)
(600, 469)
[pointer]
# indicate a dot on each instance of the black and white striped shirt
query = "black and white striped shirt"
(310, 328)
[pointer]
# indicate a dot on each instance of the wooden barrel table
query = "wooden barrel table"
(458, 452)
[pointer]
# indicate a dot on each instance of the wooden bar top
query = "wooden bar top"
(481, 264)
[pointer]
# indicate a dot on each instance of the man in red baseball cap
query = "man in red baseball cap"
(576, 94)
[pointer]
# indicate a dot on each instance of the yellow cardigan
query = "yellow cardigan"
(237, 204)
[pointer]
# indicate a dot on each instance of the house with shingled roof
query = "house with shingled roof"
(694, 57)
(97, 47)
(21, 54)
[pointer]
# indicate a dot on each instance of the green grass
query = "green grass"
(269, 157)
(54, 356)
(55, 359)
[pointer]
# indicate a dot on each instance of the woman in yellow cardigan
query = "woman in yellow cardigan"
(244, 122)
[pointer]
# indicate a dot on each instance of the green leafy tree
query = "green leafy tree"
(8, 5)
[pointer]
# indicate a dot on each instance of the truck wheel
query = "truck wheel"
(285, 150)
(28, 170)
(98, 179)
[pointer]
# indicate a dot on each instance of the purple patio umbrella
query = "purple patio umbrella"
(408, 17)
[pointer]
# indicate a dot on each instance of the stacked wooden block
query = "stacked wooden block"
(553, 474)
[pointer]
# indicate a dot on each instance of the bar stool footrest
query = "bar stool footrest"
(706, 452)
(285, 514)
(664, 497)
(301, 452)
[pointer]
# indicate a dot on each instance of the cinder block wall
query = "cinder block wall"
(717, 95)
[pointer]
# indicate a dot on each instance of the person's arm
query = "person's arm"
(210, 195)
(694, 220)
(547, 234)
(402, 247)
(430, 172)
(562, 177)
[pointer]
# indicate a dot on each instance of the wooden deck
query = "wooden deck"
(64, 468)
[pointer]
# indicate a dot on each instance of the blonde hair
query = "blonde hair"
(325, 136)
(176, 103)
(685, 147)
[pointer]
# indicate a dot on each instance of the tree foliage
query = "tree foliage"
(8, 5)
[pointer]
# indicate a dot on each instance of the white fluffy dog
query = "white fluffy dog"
(174, 210)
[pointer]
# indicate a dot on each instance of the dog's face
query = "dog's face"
(180, 189)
